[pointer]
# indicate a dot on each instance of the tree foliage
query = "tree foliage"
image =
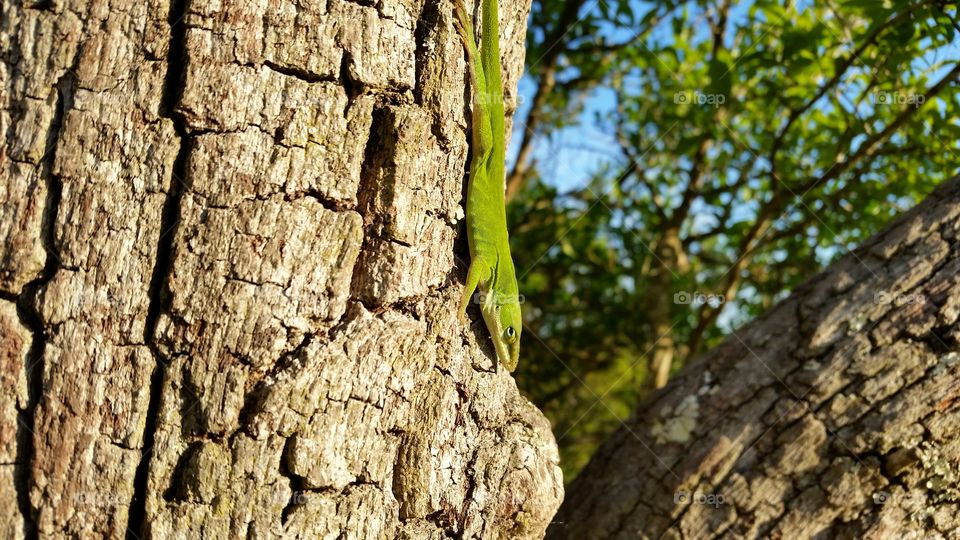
(751, 144)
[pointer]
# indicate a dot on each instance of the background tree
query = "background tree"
(751, 144)
(834, 415)
(228, 278)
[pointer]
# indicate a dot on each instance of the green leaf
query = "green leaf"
(721, 78)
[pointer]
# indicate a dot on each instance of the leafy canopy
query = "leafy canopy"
(733, 151)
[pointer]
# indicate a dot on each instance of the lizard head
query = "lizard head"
(502, 315)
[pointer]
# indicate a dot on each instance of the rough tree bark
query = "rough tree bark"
(228, 273)
(835, 415)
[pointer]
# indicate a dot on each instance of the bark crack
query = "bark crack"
(29, 314)
(173, 87)
(297, 73)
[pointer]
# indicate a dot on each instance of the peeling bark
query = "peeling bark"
(228, 278)
(835, 415)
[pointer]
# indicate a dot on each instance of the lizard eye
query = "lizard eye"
(510, 332)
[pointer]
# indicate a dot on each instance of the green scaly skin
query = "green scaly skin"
(491, 266)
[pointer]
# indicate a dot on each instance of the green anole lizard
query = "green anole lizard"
(491, 266)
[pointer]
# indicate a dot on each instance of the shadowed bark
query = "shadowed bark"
(229, 272)
(835, 415)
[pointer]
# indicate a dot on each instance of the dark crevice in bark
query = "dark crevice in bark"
(333, 205)
(176, 71)
(175, 491)
(29, 314)
(256, 389)
(41, 5)
(297, 73)
(940, 340)
(289, 359)
(369, 186)
(425, 39)
(377, 146)
(351, 87)
(422, 35)
(297, 484)
(470, 472)
(341, 325)
(176, 61)
(367, 3)
(26, 418)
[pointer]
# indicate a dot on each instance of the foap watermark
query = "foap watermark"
(494, 98)
(715, 500)
(276, 498)
(697, 298)
(899, 299)
(899, 99)
(497, 299)
(697, 97)
(297, 498)
(100, 499)
(908, 498)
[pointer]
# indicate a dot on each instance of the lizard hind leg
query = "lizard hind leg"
(464, 27)
(482, 127)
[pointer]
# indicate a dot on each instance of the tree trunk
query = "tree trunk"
(835, 415)
(669, 260)
(229, 274)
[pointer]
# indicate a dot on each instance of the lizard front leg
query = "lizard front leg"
(479, 272)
